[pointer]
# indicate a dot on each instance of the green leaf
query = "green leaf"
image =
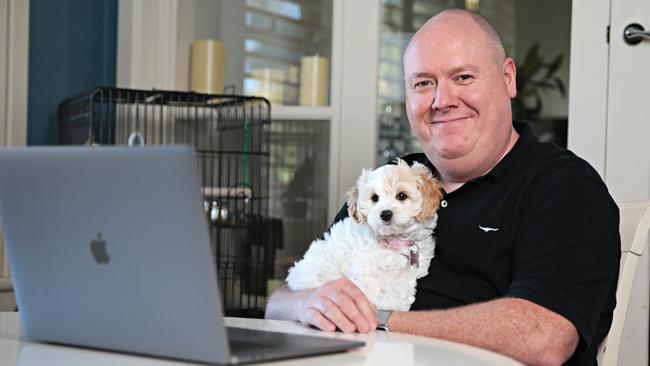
(534, 76)
(559, 84)
(554, 66)
(532, 54)
(538, 105)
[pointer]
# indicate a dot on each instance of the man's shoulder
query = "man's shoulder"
(557, 163)
(548, 159)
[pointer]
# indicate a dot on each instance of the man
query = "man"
(527, 244)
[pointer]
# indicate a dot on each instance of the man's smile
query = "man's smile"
(449, 120)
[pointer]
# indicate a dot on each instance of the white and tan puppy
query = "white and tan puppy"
(386, 244)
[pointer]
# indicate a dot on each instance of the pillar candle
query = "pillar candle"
(314, 81)
(207, 67)
(270, 84)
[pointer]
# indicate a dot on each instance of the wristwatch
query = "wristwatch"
(382, 316)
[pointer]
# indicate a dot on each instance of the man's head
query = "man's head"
(458, 89)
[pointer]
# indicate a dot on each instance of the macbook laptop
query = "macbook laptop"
(109, 249)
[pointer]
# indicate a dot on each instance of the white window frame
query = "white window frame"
(14, 47)
(13, 76)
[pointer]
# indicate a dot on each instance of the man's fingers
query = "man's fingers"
(339, 303)
(313, 317)
(367, 309)
(333, 313)
(351, 311)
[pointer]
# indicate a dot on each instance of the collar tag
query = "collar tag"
(414, 256)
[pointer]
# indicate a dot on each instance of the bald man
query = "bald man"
(527, 243)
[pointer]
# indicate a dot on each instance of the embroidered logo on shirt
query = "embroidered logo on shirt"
(486, 229)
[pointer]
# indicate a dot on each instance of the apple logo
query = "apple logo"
(98, 249)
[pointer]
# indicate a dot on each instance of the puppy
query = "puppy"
(386, 244)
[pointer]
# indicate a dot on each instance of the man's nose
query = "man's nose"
(444, 98)
(386, 215)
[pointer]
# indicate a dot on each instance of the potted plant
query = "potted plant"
(536, 75)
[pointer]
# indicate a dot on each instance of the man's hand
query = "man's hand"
(338, 304)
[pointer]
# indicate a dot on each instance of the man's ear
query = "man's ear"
(353, 197)
(431, 193)
(510, 76)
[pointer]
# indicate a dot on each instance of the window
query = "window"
(284, 41)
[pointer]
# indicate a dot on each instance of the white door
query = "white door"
(628, 117)
(609, 110)
(610, 124)
(627, 162)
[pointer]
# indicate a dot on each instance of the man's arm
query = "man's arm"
(337, 304)
(514, 327)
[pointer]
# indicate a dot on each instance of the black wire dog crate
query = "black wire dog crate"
(229, 135)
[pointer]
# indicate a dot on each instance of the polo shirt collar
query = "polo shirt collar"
(526, 140)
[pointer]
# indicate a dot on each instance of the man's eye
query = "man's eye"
(423, 84)
(374, 198)
(401, 196)
(465, 77)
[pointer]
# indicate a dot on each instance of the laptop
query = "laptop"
(109, 249)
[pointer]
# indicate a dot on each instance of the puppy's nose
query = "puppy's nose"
(386, 215)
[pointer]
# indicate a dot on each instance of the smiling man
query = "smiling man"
(527, 243)
(458, 89)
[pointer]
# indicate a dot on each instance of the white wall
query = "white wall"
(145, 57)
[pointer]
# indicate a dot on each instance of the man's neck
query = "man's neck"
(451, 183)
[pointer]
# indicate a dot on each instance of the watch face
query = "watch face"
(382, 316)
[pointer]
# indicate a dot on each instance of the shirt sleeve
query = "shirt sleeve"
(566, 258)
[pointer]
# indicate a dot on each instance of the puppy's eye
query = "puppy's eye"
(401, 196)
(374, 198)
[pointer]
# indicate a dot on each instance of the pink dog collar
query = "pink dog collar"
(395, 243)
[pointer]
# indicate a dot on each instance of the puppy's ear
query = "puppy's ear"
(431, 193)
(353, 197)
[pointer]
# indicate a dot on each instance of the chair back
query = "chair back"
(634, 228)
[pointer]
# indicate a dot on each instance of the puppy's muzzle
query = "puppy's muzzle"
(386, 215)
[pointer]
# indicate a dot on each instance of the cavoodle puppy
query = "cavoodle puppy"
(386, 244)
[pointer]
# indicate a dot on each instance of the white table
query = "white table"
(381, 349)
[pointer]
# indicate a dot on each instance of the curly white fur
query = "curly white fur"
(355, 248)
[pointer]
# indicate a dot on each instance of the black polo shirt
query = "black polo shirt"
(540, 226)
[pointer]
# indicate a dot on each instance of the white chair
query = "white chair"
(7, 301)
(634, 228)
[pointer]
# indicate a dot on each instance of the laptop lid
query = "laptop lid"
(109, 248)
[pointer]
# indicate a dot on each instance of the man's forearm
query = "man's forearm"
(284, 304)
(514, 327)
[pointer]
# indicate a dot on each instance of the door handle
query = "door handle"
(634, 33)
